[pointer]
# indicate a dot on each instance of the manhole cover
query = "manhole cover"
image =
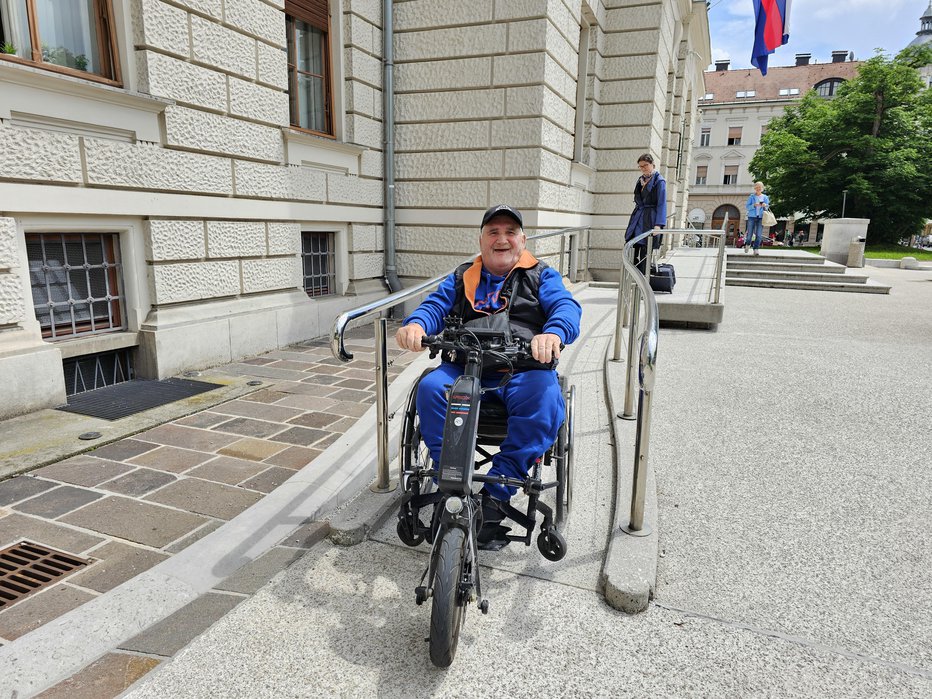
(26, 568)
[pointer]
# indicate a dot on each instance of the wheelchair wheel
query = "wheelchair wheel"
(565, 470)
(552, 545)
(414, 453)
(446, 616)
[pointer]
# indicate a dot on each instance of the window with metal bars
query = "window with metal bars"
(93, 371)
(318, 258)
(76, 283)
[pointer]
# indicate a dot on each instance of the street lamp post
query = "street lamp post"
(844, 199)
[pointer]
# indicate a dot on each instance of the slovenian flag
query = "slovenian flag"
(772, 24)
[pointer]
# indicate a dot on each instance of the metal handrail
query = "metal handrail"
(647, 360)
(383, 482)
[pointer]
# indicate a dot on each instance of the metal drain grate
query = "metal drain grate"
(131, 397)
(26, 568)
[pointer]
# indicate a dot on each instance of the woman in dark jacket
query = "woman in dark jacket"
(650, 209)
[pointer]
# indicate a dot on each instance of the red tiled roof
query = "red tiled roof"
(723, 84)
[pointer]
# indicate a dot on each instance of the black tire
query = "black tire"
(565, 469)
(414, 453)
(446, 615)
(407, 536)
(552, 545)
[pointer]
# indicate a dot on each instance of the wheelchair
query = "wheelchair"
(438, 505)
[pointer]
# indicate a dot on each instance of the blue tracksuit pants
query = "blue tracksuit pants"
(535, 413)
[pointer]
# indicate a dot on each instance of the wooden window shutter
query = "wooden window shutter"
(314, 12)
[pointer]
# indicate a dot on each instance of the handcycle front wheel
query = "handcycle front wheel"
(446, 615)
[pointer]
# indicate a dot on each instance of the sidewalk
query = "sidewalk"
(794, 510)
(131, 504)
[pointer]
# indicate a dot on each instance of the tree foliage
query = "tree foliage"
(873, 139)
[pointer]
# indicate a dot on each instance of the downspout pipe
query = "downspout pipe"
(388, 151)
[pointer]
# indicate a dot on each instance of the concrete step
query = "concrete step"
(868, 287)
(802, 258)
(790, 267)
(822, 275)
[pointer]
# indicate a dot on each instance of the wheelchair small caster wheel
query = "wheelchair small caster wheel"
(552, 545)
(405, 533)
(484, 606)
(420, 595)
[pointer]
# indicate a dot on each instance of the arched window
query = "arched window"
(828, 88)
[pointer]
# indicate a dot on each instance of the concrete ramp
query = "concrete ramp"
(692, 302)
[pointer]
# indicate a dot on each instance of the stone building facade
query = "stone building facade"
(735, 111)
(188, 182)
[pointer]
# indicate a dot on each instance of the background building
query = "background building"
(187, 182)
(735, 111)
(924, 38)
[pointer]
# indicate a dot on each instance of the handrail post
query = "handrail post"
(620, 309)
(720, 267)
(383, 483)
(635, 525)
(574, 257)
(630, 374)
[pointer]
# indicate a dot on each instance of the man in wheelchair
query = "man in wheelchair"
(504, 286)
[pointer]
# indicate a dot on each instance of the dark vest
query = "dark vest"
(521, 305)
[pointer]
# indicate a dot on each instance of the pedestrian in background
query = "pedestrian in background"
(757, 204)
(650, 209)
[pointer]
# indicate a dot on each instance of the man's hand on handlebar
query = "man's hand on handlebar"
(409, 337)
(545, 347)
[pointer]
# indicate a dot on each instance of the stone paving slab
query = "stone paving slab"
(133, 520)
(15, 528)
(20, 488)
(81, 470)
(56, 502)
(103, 679)
(205, 498)
(139, 482)
(40, 608)
(170, 635)
(115, 563)
(253, 576)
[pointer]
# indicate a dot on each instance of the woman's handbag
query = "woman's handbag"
(768, 219)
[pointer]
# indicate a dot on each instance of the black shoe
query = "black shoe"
(492, 536)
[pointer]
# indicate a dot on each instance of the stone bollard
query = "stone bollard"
(909, 263)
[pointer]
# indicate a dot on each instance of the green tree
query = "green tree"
(873, 139)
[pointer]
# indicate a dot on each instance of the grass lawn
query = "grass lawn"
(885, 252)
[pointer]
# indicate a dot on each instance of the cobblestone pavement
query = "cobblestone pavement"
(130, 504)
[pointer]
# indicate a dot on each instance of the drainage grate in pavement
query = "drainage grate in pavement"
(27, 567)
(123, 399)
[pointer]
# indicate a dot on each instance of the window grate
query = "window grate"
(26, 568)
(94, 371)
(318, 258)
(76, 283)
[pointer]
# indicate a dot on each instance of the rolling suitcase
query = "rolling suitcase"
(662, 278)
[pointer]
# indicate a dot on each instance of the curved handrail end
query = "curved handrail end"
(336, 338)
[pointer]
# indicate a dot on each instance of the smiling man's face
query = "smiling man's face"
(501, 243)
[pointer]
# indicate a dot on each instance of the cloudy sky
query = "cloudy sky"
(817, 27)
